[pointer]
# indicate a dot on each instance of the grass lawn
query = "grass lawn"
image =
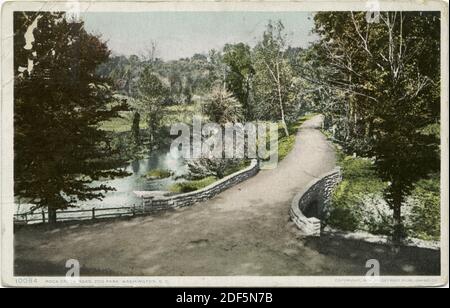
(122, 124)
(183, 113)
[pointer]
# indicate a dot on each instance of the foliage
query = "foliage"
(202, 181)
(425, 219)
(192, 185)
(221, 107)
(237, 166)
(135, 130)
(184, 113)
(151, 96)
(217, 167)
(384, 79)
(158, 174)
(273, 80)
(124, 72)
(238, 58)
(359, 205)
(358, 190)
(59, 103)
(184, 78)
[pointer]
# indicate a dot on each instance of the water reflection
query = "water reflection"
(124, 187)
(135, 166)
(123, 195)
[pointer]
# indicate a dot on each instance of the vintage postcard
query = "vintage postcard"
(224, 144)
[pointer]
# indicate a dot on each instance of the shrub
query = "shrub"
(356, 200)
(158, 174)
(216, 167)
(424, 221)
(240, 164)
(188, 186)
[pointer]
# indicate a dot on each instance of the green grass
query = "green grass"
(158, 174)
(425, 219)
(241, 165)
(285, 146)
(193, 185)
(122, 124)
(356, 204)
(359, 181)
(183, 113)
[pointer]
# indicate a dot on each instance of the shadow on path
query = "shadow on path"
(393, 261)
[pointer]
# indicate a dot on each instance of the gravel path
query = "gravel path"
(242, 231)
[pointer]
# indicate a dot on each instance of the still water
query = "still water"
(123, 195)
(124, 187)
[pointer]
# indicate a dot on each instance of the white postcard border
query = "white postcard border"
(7, 156)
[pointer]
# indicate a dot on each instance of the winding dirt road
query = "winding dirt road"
(242, 231)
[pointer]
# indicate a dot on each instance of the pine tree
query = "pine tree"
(388, 73)
(59, 103)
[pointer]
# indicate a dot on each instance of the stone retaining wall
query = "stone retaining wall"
(313, 202)
(155, 201)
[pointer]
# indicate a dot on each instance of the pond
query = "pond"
(124, 187)
(123, 195)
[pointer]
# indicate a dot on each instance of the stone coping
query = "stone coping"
(165, 195)
(310, 226)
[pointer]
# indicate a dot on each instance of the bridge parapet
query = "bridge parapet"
(312, 204)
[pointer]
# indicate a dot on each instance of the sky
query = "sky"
(182, 34)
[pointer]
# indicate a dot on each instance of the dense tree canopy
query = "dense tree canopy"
(384, 85)
(273, 82)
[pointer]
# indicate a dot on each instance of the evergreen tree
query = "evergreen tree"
(388, 74)
(240, 74)
(151, 98)
(59, 103)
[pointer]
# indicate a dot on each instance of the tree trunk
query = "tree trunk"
(283, 120)
(246, 102)
(280, 100)
(151, 131)
(51, 215)
(136, 129)
(398, 225)
(152, 136)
